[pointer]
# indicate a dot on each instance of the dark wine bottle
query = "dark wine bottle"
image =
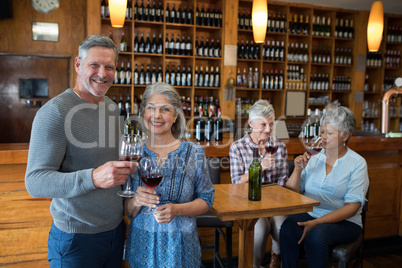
(199, 127)
(218, 127)
(147, 48)
(209, 127)
(255, 177)
(136, 75)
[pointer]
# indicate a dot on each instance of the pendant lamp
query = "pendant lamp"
(260, 20)
(117, 11)
(375, 26)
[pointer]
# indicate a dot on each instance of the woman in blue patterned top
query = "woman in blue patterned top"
(338, 178)
(275, 170)
(169, 237)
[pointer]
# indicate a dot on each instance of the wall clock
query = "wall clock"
(45, 6)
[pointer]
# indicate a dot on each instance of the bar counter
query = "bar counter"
(25, 221)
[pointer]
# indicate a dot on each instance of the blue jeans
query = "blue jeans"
(86, 250)
(317, 243)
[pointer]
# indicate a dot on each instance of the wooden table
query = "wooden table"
(232, 204)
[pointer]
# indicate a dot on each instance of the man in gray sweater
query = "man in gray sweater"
(73, 159)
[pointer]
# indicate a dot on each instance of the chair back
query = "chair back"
(214, 169)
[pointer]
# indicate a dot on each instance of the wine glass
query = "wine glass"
(151, 175)
(130, 149)
(313, 146)
(271, 146)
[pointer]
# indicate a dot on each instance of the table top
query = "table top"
(231, 202)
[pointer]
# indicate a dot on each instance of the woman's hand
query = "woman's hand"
(301, 161)
(146, 197)
(308, 225)
(166, 213)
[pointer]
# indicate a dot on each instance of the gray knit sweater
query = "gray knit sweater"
(69, 139)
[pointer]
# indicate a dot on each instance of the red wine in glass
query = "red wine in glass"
(136, 158)
(125, 158)
(151, 180)
(314, 150)
(271, 148)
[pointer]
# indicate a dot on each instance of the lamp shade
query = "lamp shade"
(260, 20)
(117, 10)
(375, 26)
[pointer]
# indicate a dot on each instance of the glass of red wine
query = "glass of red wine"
(313, 146)
(130, 149)
(151, 175)
(271, 146)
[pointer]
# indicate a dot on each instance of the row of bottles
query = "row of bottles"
(274, 51)
(147, 77)
(247, 80)
(122, 75)
(370, 109)
(175, 77)
(321, 54)
(321, 26)
(209, 17)
(344, 31)
(209, 78)
(208, 49)
(343, 56)
(394, 34)
(341, 83)
(299, 26)
(272, 80)
(248, 50)
(312, 126)
(374, 59)
(186, 105)
(147, 46)
(206, 103)
(148, 12)
(243, 106)
(276, 22)
(296, 78)
(244, 20)
(181, 16)
(389, 81)
(392, 58)
(208, 128)
(297, 52)
(319, 81)
(125, 106)
(178, 47)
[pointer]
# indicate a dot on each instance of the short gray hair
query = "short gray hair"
(179, 127)
(340, 118)
(98, 40)
(261, 108)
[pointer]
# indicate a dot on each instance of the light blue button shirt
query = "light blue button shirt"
(346, 183)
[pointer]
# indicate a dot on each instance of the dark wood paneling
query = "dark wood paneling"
(16, 118)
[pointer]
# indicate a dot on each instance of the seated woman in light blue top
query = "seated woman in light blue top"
(168, 238)
(338, 178)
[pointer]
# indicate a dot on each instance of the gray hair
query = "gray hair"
(179, 127)
(340, 118)
(96, 40)
(261, 108)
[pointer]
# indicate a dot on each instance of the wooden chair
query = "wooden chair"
(210, 220)
(345, 253)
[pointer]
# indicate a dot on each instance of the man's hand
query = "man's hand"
(112, 173)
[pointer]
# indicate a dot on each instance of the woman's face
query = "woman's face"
(332, 138)
(159, 115)
(261, 128)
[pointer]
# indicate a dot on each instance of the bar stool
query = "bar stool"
(212, 221)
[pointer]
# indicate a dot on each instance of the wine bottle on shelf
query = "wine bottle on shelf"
(171, 45)
(178, 77)
(316, 125)
(152, 12)
(141, 44)
(217, 77)
(178, 15)
(136, 42)
(129, 10)
(160, 74)
(154, 75)
(127, 105)
(200, 127)
(140, 11)
(183, 78)
(103, 9)
(120, 104)
(211, 81)
(128, 74)
(250, 78)
(176, 49)
(123, 43)
(209, 127)
(196, 74)
(167, 75)
(255, 177)
(116, 79)
(153, 47)
(183, 46)
(173, 14)
(147, 46)
(189, 77)
(218, 127)
(148, 76)
(159, 13)
(136, 80)
(201, 77)
(206, 79)
(142, 75)
(147, 12)
(122, 74)
(190, 16)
